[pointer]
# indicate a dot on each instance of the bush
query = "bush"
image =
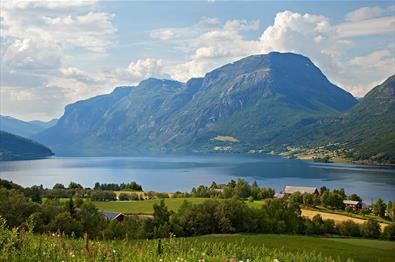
(371, 229)
(123, 197)
(349, 228)
(103, 196)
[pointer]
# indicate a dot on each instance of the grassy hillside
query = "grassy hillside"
(367, 130)
(14, 147)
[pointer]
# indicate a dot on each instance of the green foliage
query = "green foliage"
(133, 186)
(102, 195)
(379, 208)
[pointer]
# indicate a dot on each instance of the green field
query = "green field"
(240, 247)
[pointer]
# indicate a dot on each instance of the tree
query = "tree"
(35, 194)
(348, 209)
(296, 198)
(71, 207)
(74, 185)
(355, 197)
(15, 207)
(58, 186)
(161, 225)
(349, 228)
(64, 222)
(255, 191)
(379, 208)
(91, 219)
(308, 200)
(391, 210)
(242, 189)
(229, 189)
(123, 197)
(371, 229)
(389, 232)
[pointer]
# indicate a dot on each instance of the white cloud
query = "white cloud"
(144, 68)
(312, 35)
(375, 26)
(27, 54)
(162, 34)
(36, 36)
(364, 13)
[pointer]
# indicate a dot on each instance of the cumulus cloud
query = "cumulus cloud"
(36, 37)
(144, 68)
(312, 35)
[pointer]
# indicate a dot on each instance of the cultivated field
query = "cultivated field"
(336, 217)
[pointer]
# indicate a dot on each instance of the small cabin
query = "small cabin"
(114, 216)
(355, 205)
(289, 190)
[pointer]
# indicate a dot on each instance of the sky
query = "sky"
(54, 53)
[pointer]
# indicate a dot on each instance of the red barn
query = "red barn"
(355, 205)
(114, 216)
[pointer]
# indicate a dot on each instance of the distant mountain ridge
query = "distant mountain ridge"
(23, 128)
(249, 102)
(14, 147)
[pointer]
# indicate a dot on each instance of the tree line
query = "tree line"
(75, 218)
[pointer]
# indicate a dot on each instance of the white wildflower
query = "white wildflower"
(276, 260)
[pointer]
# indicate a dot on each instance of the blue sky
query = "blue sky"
(57, 52)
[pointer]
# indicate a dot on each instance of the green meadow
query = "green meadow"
(237, 247)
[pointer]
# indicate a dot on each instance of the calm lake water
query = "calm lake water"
(182, 172)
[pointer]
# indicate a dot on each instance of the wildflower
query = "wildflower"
(160, 260)
(203, 254)
(276, 260)
(114, 251)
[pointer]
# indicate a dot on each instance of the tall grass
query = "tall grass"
(23, 245)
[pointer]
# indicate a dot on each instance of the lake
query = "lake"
(169, 173)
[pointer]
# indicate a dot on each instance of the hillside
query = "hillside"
(368, 129)
(23, 128)
(14, 147)
(237, 107)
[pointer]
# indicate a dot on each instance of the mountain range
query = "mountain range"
(248, 102)
(23, 128)
(261, 103)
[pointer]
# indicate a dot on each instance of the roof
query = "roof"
(350, 202)
(278, 195)
(300, 189)
(111, 215)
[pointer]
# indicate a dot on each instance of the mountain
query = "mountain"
(240, 106)
(14, 147)
(367, 129)
(23, 128)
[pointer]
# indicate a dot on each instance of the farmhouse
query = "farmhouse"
(114, 216)
(289, 190)
(355, 205)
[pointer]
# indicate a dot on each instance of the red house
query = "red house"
(355, 205)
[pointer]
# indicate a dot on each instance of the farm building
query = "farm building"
(114, 216)
(279, 195)
(355, 205)
(289, 190)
